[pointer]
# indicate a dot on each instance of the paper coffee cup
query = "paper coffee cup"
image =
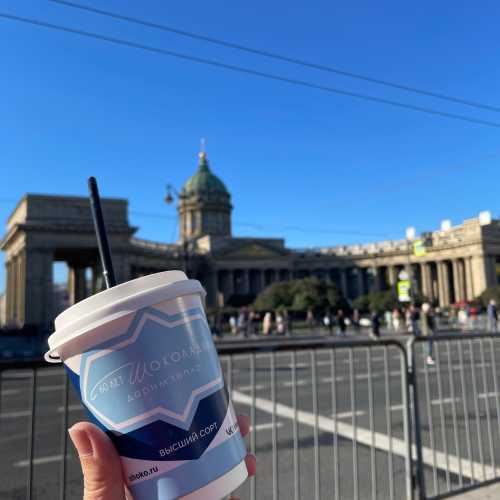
(142, 359)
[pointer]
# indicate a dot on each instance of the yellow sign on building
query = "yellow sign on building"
(419, 248)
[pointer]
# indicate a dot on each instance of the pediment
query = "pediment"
(253, 250)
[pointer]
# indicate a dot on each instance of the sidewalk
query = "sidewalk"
(485, 493)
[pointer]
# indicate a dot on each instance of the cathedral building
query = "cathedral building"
(458, 264)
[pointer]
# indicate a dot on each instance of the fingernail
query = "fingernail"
(81, 441)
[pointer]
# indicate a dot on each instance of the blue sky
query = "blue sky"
(313, 167)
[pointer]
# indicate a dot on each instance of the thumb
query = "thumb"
(101, 466)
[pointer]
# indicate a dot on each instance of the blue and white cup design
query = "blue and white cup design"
(158, 391)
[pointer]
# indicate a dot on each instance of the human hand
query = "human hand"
(102, 472)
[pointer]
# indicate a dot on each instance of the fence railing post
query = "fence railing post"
(418, 476)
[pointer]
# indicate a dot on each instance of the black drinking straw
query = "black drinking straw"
(101, 234)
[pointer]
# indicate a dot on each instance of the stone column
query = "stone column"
(77, 286)
(230, 282)
(376, 279)
(97, 280)
(21, 288)
(478, 265)
(443, 284)
(440, 296)
(211, 286)
(343, 281)
(262, 275)
(461, 279)
(9, 298)
(456, 280)
(361, 285)
(246, 282)
(39, 287)
(469, 279)
(391, 273)
(491, 272)
(425, 272)
(121, 264)
(14, 287)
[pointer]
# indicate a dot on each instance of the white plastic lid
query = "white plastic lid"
(116, 302)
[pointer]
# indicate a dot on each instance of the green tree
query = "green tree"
(378, 301)
(300, 295)
(275, 296)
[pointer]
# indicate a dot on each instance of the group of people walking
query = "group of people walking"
(249, 322)
(419, 321)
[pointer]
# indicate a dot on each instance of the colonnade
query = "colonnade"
(445, 281)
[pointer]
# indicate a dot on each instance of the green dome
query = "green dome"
(203, 181)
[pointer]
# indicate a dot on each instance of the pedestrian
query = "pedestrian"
(280, 323)
(428, 329)
(396, 320)
(242, 322)
(414, 317)
(232, 324)
(375, 325)
(492, 316)
(462, 319)
(251, 322)
(310, 321)
(267, 323)
(408, 323)
(355, 320)
(327, 321)
(341, 326)
(388, 319)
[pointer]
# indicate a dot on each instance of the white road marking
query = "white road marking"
(323, 363)
(40, 460)
(49, 388)
(434, 402)
(329, 379)
(359, 376)
(45, 372)
(27, 413)
(15, 414)
(42, 388)
(263, 427)
(76, 407)
(290, 383)
(249, 387)
(349, 414)
(485, 395)
(10, 392)
(364, 436)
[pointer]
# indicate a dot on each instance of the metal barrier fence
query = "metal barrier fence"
(330, 420)
(458, 408)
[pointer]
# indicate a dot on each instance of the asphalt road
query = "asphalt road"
(346, 443)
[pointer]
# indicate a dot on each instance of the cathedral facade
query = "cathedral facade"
(459, 263)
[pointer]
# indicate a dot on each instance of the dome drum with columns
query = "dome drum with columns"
(460, 263)
(204, 205)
